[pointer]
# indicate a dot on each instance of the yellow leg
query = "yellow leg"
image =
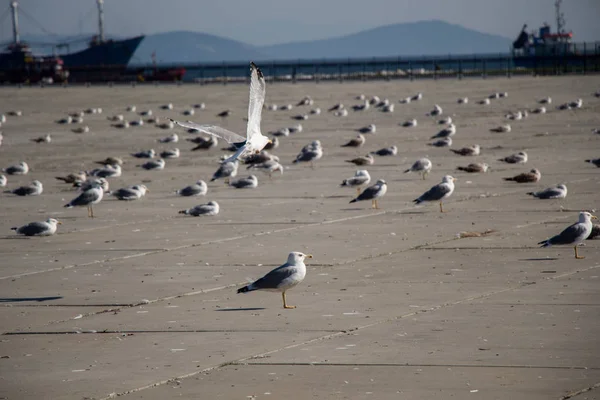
(358, 191)
(92, 210)
(372, 203)
(441, 207)
(376, 204)
(312, 165)
(577, 256)
(285, 303)
(227, 181)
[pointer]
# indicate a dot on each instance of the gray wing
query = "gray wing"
(221, 133)
(24, 191)
(306, 155)
(274, 279)
(435, 193)
(257, 99)
(548, 193)
(355, 181)
(85, 198)
(125, 193)
(369, 193)
(33, 228)
(190, 190)
(569, 235)
(242, 183)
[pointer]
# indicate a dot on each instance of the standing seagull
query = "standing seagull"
(282, 278)
(373, 193)
(438, 192)
(422, 166)
(228, 169)
(360, 178)
(574, 235)
(43, 228)
(87, 199)
(310, 153)
(254, 141)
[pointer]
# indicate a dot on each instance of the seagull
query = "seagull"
(315, 111)
(158, 164)
(121, 125)
(545, 100)
(576, 104)
(146, 113)
(595, 161)
(287, 107)
(389, 108)
(35, 188)
(108, 171)
(42, 228)
(168, 106)
(463, 100)
(337, 107)
(371, 128)
(171, 153)
(448, 131)
(260, 158)
(81, 129)
(200, 106)
(296, 128)
(143, 154)
(517, 116)
(136, 122)
(356, 142)
(87, 199)
(437, 110)
(574, 235)
(116, 118)
(411, 123)
(42, 139)
(3, 180)
(273, 144)
(383, 103)
(532, 176)
(173, 138)
(422, 166)
(131, 108)
(539, 110)
(374, 100)
(268, 166)
(556, 192)
(438, 192)
(281, 132)
(386, 151)
(417, 97)
(406, 100)
(484, 102)
(189, 111)
(91, 182)
(363, 160)
(473, 150)
(65, 121)
(251, 182)
(203, 143)
(227, 170)
(129, 193)
(361, 107)
(209, 209)
(19, 169)
(282, 278)
(73, 178)
(502, 128)
(15, 113)
(445, 121)
(517, 158)
(360, 178)
(300, 117)
(372, 193)
(255, 141)
(198, 189)
(474, 167)
(165, 125)
(341, 113)
(306, 101)
(310, 153)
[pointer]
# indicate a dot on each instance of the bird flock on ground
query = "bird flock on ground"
(253, 150)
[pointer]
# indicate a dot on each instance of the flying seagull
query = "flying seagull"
(254, 141)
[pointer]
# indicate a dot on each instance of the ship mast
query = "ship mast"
(101, 19)
(15, 20)
(560, 17)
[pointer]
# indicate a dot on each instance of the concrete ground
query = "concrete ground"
(141, 302)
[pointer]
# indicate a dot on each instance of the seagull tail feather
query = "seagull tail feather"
(247, 288)
(545, 243)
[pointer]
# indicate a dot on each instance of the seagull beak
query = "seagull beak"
(454, 179)
(594, 217)
(270, 141)
(58, 222)
(309, 256)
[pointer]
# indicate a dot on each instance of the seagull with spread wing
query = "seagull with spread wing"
(255, 141)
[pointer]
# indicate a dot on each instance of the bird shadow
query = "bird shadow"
(23, 299)
(242, 309)
(539, 259)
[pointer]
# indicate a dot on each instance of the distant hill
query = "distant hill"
(407, 39)
(192, 47)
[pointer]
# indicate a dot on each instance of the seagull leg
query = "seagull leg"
(312, 165)
(88, 210)
(376, 204)
(285, 303)
(373, 204)
(441, 207)
(358, 191)
(577, 256)
(92, 210)
(227, 181)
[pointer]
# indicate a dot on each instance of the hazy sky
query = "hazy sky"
(261, 22)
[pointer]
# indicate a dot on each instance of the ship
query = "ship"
(531, 50)
(103, 59)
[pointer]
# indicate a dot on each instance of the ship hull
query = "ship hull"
(110, 53)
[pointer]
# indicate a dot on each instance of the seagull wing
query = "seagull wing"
(257, 99)
(569, 235)
(221, 133)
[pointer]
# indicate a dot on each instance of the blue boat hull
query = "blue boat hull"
(110, 53)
